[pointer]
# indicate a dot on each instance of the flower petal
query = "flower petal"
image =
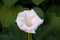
(30, 16)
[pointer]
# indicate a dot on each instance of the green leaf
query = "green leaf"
(49, 36)
(8, 15)
(39, 12)
(4, 37)
(55, 26)
(58, 12)
(53, 8)
(41, 32)
(37, 2)
(54, 20)
(16, 33)
(9, 2)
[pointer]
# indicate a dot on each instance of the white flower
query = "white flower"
(28, 21)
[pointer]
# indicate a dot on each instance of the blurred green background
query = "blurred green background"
(49, 10)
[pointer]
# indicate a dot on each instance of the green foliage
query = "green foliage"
(49, 36)
(37, 2)
(54, 20)
(42, 32)
(39, 12)
(16, 33)
(49, 10)
(9, 2)
(4, 37)
(9, 14)
(24, 2)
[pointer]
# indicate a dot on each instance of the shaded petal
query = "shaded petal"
(20, 19)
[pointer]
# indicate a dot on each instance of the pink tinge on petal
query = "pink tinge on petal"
(34, 20)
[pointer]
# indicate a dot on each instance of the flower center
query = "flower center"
(29, 23)
(29, 20)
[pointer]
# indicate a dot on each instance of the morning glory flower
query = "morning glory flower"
(28, 21)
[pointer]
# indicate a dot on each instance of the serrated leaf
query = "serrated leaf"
(37, 2)
(8, 15)
(39, 12)
(9, 2)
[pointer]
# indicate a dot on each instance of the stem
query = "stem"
(29, 36)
